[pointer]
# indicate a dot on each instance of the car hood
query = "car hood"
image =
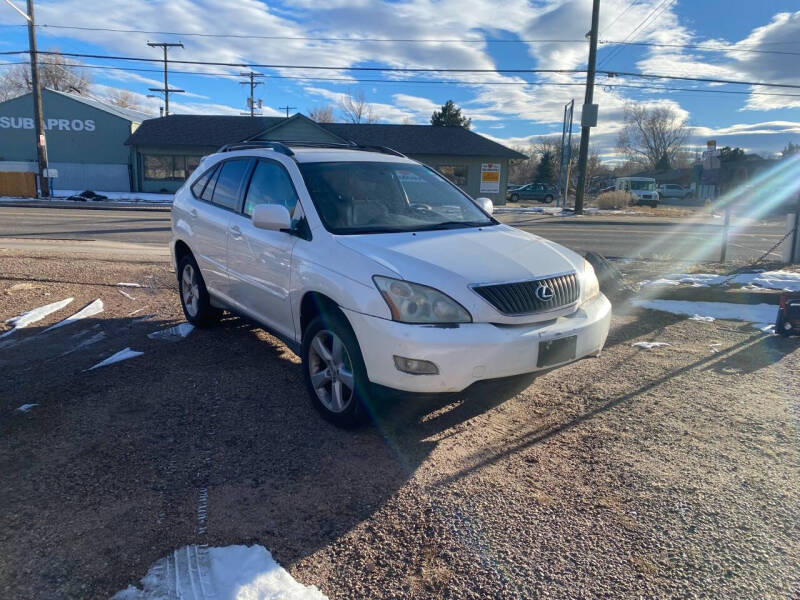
(452, 260)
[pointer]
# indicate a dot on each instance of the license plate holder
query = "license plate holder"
(553, 352)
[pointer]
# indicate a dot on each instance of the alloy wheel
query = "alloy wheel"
(190, 290)
(331, 371)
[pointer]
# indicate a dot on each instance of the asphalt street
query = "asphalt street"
(613, 235)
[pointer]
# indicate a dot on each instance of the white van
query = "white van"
(644, 188)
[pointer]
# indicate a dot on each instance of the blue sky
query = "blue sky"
(512, 108)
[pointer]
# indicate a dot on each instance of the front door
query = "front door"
(259, 261)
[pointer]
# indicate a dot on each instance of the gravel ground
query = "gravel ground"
(672, 472)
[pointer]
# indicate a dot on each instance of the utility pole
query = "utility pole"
(166, 90)
(287, 108)
(589, 112)
(252, 83)
(38, 119)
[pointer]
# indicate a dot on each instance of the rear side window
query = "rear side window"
(270, 184)
(200, 184)
(226, 192)
(212, 181)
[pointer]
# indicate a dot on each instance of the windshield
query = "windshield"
(381, 197)
(643, 185)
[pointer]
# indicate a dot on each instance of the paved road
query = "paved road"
(615, 236)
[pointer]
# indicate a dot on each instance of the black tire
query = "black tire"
(355, 410)
(199, 312)
(779, 322)
(654, 204)
(548, 199)
(608, 276)
(514, 198)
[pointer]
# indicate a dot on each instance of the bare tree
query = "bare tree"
(123, 99)
(56, 72)
(321, 114)
(355, 108)
(652, 137)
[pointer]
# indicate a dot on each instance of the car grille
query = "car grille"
(520, 298)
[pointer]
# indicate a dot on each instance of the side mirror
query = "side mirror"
(273, 217)
(486, 204)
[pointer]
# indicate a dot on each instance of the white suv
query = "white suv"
(378, 272)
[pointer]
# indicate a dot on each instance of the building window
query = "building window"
(167, 167)
(455, 173)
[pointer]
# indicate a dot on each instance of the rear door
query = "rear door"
(211, 220)
(260, 261)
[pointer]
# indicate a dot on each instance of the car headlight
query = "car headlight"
(415, 303)
(591, 287)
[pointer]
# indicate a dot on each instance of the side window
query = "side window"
(208, 192)
(270, 184)
(229, 180)
(200, 184)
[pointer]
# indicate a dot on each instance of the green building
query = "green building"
(167, 149)
(85, 140)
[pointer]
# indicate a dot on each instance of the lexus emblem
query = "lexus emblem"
(544, 292)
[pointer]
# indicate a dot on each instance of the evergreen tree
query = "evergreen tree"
(545, 171)
(450, 116)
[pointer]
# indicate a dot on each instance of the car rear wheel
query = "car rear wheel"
(548, 199)
(514, 198)
(194, 295)
(334, 371)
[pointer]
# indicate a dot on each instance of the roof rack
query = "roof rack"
(284, 146)
(277, 146)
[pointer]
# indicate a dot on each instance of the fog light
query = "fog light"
(415, 367)
(786, 326)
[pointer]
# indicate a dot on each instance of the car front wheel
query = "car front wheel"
(514, 198)
(548, 199)
(334, 371)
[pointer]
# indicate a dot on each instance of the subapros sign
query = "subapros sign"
(49, 124)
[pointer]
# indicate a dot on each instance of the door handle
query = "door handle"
(236, 233)
(193, 212)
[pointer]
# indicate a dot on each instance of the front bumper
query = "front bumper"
(471, 351)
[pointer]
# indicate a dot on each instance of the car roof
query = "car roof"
(309, 155)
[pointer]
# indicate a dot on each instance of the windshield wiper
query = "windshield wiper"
(453, 225)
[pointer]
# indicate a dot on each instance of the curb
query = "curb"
(89, 205)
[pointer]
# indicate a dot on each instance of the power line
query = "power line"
(619, 16)
(416, 69)
(664, 4)
(423, 81)
(698, 47)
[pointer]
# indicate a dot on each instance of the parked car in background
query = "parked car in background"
(377, 271)
(672, 190)
(542, 192)
(643, 188)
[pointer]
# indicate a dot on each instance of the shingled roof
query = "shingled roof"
(199, 130)
(421, 139)
(212, 130)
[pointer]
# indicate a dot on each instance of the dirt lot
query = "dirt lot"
(672, 472)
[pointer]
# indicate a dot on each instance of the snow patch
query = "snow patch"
(91, 309)
(37, 314)
(126, 294)
(26, 408)
(176, 332)
(769, 280)
(100, 335)
(702, 318)
(229, 573)
(758, 315)
(126, 284)
(123, 354)
(648, 345)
